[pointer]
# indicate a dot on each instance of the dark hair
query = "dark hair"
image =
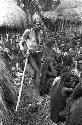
(67, 60)
(81, 75)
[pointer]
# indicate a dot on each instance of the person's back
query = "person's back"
(74, 106)
(56, 95)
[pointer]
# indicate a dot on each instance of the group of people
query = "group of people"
(14, 56)
(57, 72)
(67, 87)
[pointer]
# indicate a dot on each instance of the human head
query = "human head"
(36, 18)
(26, 34)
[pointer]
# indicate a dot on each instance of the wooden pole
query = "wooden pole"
(20, 91)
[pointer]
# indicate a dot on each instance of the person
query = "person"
(67, 60)
(77, 91)
(48, 73)
(73, 105)
(61, 89)
(79, 60)
(28, 42)
(38, 28)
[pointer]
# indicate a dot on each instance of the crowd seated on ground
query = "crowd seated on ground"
(53, 62)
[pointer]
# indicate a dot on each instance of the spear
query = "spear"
(20, 91)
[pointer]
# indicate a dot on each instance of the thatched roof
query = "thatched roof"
(65, 4)
(11, 15)
(73, 15)
(70, 10)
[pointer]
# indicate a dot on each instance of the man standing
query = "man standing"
(28, 41)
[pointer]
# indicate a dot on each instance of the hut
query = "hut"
(69, 4)
(70, 19)
(68, 11)
(12, 18)
(66, 21)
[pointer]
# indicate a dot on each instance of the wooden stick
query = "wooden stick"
(20, 91)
